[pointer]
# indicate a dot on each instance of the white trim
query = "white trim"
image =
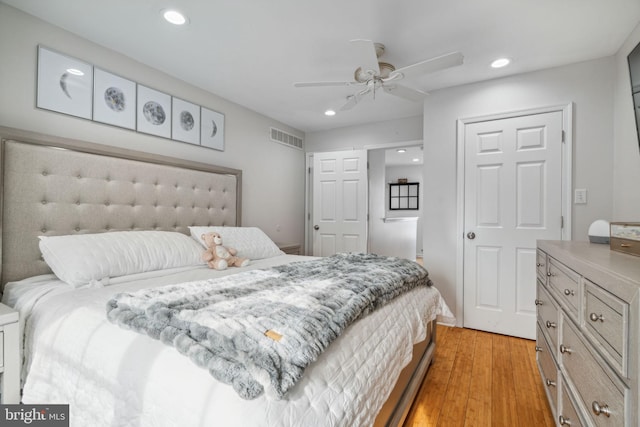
(308, 205)
(460, 224)
(412, 143)
(567, 174)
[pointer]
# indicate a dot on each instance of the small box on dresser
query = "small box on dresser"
(588, 332)
(625, 237)
(9, 356)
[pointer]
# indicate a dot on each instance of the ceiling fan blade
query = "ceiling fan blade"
(431, 65)
(352, 100)
(365, 55)
(410, 94)
(318, 84)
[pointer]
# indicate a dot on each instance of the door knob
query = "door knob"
(316, 227)
(471, 235)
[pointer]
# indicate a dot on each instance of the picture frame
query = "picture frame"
(186, 121)
(212, 129)
(114, 99)
(153, 112)
(64, 84)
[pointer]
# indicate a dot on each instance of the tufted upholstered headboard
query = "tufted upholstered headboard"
(53, 186)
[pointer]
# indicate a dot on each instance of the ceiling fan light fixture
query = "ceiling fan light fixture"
(330, 113)
(500, 62)
(174, 17)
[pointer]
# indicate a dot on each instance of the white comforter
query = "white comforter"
(114, 377)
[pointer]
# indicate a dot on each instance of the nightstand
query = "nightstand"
(289, 248)
(9, 355)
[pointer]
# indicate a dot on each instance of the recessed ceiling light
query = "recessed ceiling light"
(502, 62)
(329, 113)
(75, 72)
(401, 150)
(416, 159)
(174, 17)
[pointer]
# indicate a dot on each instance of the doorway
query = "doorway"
(374, 188)
(513, 182)
(395, 210)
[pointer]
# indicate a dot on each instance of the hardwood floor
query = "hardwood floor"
(481, 379)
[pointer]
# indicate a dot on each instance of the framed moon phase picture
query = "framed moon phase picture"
(114, 99)
(153, 112)
(212, 129)
(65, 84)
(186, 121)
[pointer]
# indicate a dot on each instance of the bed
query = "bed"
(110, 375)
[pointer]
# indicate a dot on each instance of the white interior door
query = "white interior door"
(512, 197)
(339, 202)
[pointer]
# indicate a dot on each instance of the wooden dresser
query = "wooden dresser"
(588, 332)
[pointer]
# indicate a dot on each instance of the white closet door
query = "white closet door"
(513, 189)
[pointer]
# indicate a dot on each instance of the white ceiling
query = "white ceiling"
(252, 51)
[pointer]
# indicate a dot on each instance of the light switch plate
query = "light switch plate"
(580, 196)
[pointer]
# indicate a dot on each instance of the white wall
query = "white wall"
(626, 154)
(589, 85)
(273, 174)
(358, 137)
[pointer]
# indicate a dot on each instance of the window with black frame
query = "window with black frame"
(404, 196)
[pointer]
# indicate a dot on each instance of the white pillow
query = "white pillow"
(82, 259)
(250, 242)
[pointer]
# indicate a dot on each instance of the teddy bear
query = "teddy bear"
(218, 256)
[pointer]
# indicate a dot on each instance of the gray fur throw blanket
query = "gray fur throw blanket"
(258, 330)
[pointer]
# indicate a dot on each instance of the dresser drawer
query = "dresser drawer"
(566, 283)
(567, 415)
(541, 266)
(548, 317)
(548, 370)
(593, 382)
(607, 320)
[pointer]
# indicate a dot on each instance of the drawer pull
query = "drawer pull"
(571, 292)
(625, 245)
(538, 302)
(563, 421)
(539, 264)
(550, 274)
(538, 348)
(564, 349)
(551, 383)
(550, 324)
(600, 408)
(595, 317)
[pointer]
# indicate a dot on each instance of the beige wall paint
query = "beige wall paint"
(626, 153)
(588, 85)
(273, 174)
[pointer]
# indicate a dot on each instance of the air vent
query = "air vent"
(285, 138)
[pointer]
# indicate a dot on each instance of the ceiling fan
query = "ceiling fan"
(375, 75)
